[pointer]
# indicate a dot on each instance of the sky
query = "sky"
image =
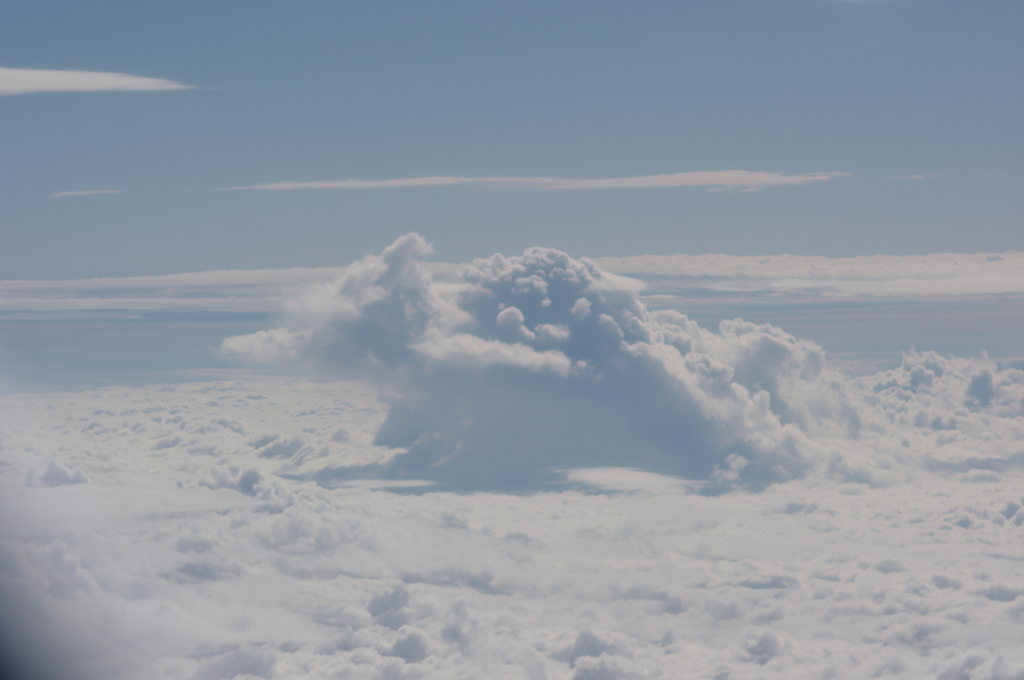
(811, 127)
(526, 341)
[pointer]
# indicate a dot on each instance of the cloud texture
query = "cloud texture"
(166, 532)
(541, 362)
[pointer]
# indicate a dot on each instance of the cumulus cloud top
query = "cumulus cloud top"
(27, 80)
(543, 361)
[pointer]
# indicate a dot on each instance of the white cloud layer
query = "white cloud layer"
(745, 180)
(167, 533)
(27, 80)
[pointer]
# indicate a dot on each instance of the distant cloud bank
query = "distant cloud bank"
(744, 180)
(685, 276)
(28, 80)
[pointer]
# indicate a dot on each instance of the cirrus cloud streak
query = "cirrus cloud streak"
(28, 80)
(745, 180)
(91, 192)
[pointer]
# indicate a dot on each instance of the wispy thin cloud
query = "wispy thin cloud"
(928, 176)
(744, 180)
(27, 80)
(62, 194)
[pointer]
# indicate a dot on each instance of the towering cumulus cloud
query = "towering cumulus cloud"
(540, 362)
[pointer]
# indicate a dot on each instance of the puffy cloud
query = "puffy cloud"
(951, 414)
(370, 315)
(541, 362)
(56, 475)
(761, 647)
(978, 664)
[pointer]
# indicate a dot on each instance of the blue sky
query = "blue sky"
(873, 89)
